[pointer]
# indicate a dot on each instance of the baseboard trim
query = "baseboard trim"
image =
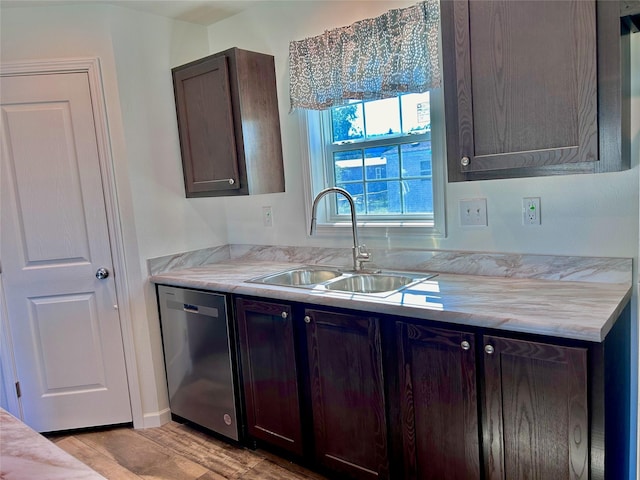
(155, 419)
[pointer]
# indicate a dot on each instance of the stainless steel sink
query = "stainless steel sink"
(300, 277)
(334, 279)
(371, 283)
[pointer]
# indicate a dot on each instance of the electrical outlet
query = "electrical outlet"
(531, 211)
(267, 217)
(473, 212)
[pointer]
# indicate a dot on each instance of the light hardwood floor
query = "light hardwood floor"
(174, 452)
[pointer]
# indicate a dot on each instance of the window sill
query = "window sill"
(380, 229)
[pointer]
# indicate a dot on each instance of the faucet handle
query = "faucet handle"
(363, 253)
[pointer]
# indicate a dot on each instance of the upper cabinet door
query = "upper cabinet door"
(229, 124)
(522, 87)
(205, 120)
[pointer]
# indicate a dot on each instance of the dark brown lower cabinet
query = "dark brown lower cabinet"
(347, 393)
(269, 373)
(536, 418)
(455, 405)
(437, 375)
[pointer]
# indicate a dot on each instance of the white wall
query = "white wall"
(590, 215)
(582, 214)
(136, 52)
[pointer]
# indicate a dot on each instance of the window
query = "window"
(375, 121)
(381, 154)
(389, 155)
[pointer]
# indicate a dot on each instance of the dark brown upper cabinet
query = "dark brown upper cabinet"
(535, 88)
(229, 125)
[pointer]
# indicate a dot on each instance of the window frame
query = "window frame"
(316, 129)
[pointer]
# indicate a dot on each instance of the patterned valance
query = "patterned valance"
(375, 58)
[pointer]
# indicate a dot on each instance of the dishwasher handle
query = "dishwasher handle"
(194, 309)
(190, 308)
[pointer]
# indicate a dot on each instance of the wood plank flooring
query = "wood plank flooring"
(174, 452)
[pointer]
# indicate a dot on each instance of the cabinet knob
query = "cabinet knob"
(464, 161)
(489, 349)
(307, 319)
(284, 314)
(231, 181)
(465, 345)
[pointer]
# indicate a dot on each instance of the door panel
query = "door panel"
(57, 185)
(64, 322)
(76, 315)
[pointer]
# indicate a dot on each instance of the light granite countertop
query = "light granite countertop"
(566, 308)
(25, 454)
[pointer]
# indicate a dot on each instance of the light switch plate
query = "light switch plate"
(473, 212)
(267, 217)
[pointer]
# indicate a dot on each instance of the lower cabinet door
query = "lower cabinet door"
(440, 432)
(347, 396)
(535, 406)
(269, 373)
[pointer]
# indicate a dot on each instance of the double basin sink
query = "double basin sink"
(338, 280)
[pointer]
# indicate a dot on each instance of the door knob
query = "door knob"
(102, 273)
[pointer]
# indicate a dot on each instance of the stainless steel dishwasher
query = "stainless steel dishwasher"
(198, 360)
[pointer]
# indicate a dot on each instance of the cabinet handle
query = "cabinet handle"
(465, 345)
(284, 314)
(489, 349)
(307, 319)
(464, 161)
(230, 181)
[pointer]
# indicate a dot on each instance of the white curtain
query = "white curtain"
(375, 58)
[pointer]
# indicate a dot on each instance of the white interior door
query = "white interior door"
(64, 322)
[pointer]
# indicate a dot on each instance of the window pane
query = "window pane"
(347, 122)
(387, 171)
(418, 196)
(382, 162)
(416, 112)
(357, 192)
(383, 198)
(348, 166)
(416, 159)
(382, 117)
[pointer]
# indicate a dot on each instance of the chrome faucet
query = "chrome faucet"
(360, 253)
